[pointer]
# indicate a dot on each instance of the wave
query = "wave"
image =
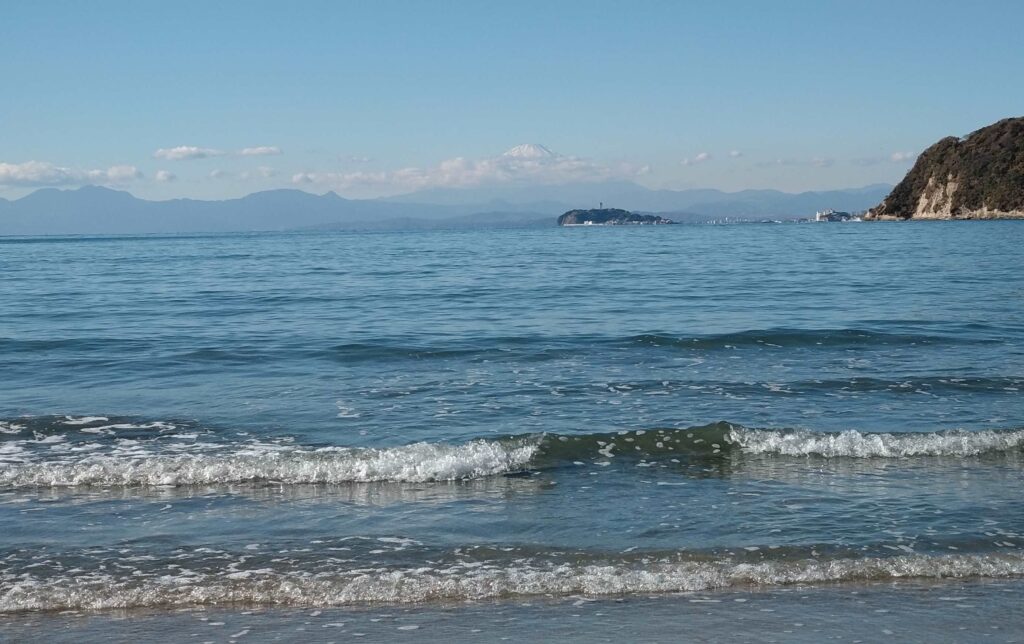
(273, 463)
(95, 451)
(791, 338)
(543, 347)
(728, 439)
(854, 444)
(559, 346)
(535, 347)
(474, 581)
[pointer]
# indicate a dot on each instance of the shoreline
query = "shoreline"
(953, 610)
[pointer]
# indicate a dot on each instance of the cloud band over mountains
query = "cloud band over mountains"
(42, 173)
(527, 163)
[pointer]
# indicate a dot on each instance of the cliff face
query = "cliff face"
(978, 177)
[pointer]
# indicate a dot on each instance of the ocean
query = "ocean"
(790, 432)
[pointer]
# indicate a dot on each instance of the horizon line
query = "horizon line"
(120, 190)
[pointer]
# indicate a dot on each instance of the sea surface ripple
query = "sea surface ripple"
(326, 419)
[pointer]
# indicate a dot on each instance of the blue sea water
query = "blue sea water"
(338, 420)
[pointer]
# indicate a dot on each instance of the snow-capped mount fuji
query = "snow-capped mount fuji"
(529, 151)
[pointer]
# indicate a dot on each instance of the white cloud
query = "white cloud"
(36, 173)
(260, 151)
(895, 157)
(700, 158)
(218, 174)
(530, 163)
(735, 154)
(165, 176)
(816, 162)
(263, 171)
(115, 174)
(184, 152)
(867, 161)
(42, 173)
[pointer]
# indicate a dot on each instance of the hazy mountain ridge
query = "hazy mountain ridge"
(98, 210)
(623, 194)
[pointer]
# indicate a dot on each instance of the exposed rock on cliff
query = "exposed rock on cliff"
(608, 217)
(980, 176)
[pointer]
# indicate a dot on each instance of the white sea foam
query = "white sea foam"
(487, 581)
(864, 445)
(136, 463)
(83, 420)
(156, 425)
(167, 458)
(12, 452)
(10, 428)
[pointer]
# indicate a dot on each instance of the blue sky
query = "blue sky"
(378, 98)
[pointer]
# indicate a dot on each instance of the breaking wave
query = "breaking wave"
(877, 445)
(92, 451)
(726, 438)
(419, 462)
(475, 580)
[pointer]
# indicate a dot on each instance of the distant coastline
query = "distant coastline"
(610, 217)
(94, 210)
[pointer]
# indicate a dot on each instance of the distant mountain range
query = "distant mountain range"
(631, 196)
(98, 210)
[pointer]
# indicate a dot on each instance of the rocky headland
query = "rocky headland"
(608, 217)
(980, 176)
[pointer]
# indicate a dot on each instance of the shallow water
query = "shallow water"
(289, 422)
(945, 612)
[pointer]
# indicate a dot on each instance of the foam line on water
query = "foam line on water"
(96, 591)
(875, 445)
(725, 439)
(417, 462)
(104, 454)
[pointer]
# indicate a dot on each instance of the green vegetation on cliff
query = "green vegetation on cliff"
(979, 176)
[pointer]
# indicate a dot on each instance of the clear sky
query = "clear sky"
(219, 99)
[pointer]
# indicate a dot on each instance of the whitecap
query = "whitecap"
(874, 445)
(133, 463)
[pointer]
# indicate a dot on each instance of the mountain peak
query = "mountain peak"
(529, 151)
(89, 193)
(93, 188)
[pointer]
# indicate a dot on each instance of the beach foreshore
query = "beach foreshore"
(949, 611)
